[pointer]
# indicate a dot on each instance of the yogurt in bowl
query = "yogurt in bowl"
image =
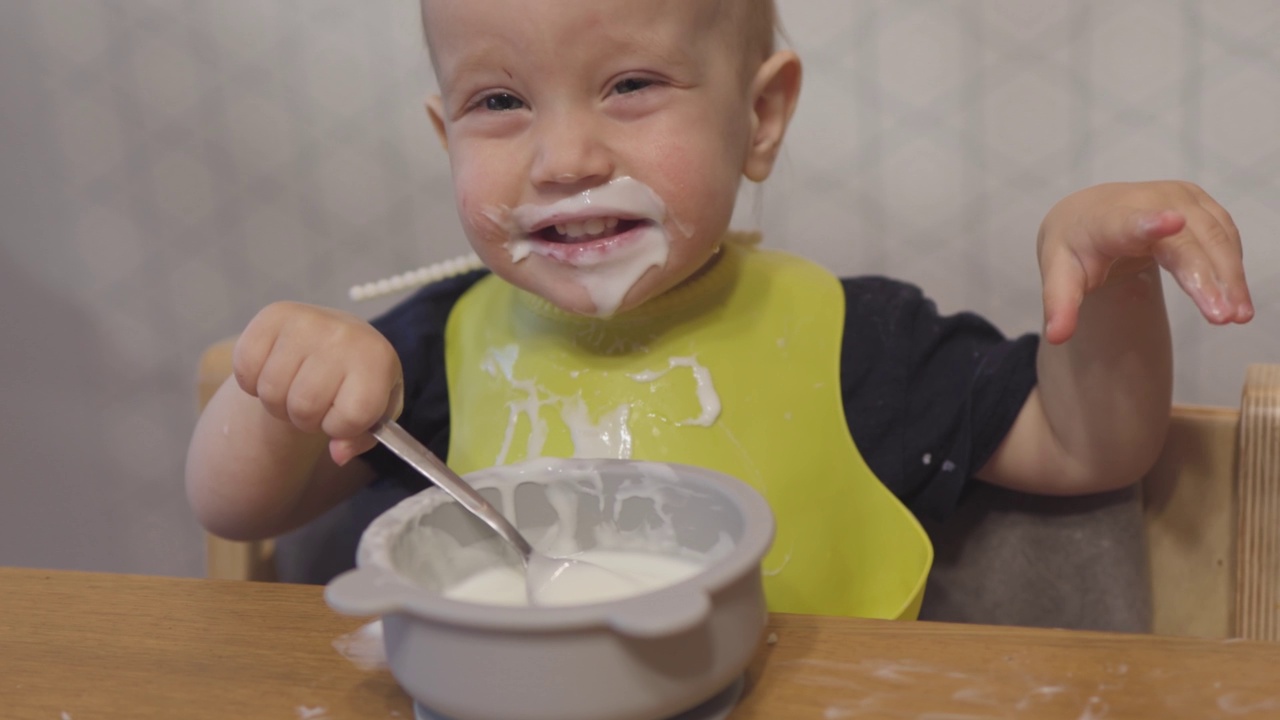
(677, 620)
(590, 576)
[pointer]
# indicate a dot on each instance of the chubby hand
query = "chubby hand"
(1109, 233)
(323, 371)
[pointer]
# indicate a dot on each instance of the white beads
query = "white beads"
(416, 278)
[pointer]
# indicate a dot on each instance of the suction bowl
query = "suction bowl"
(642, 657)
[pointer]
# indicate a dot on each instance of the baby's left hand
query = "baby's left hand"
(1108, 233)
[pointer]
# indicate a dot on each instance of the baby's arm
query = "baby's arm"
(1098, 417)
(272, 449)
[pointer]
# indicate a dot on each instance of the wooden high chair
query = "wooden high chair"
(1211, 507)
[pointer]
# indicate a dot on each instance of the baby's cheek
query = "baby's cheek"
(467, 212)
(477, 221)
(466, 199)
(695, 170)
(675, 168)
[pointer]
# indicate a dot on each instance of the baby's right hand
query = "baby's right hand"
(322, 371)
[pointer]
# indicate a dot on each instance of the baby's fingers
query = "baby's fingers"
(313, 392)
(1200, 260)
(275, 380)
(1129, 232)
(249, 356)
(344, 451)
(1220, 239)
(361, 403)
(1064, 281)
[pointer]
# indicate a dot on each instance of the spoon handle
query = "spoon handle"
(407, 448)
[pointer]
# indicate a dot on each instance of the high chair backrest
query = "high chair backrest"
(1211, 510)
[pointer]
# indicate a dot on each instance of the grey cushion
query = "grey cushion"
(1008, 558)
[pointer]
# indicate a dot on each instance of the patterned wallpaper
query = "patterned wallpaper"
(169, 166)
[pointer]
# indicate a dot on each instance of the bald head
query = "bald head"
(757, 25)
(755, 22)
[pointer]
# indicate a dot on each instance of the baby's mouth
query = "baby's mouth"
(587, 230)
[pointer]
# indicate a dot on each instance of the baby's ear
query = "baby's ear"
(774, 93)
(435, 110)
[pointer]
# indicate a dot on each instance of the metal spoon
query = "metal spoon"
(540, 569)
(399, 441)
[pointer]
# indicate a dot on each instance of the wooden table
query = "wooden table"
(84, 646)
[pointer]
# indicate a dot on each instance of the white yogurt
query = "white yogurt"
(607, 274)
(609, 435)
(602, 575)
(708, 398)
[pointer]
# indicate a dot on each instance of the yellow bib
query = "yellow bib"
(737, 371)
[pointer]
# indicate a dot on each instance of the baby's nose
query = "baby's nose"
(569, 151)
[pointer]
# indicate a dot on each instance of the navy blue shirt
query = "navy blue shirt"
(928, 397)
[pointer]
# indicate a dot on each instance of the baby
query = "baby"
(597, 148)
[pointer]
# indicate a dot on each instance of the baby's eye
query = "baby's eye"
(502, 102)
(631, 85)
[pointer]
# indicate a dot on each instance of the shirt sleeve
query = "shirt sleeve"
(415, 328)
(928, 398)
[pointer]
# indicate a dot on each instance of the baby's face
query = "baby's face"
(596, 145)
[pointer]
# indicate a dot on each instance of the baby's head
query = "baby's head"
(597, 146)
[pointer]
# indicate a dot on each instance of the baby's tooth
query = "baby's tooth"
(574, 229)
(560, 228)
(611, 223)
(594, 226)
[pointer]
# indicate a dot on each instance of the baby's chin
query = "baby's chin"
(567, 292)
(576, 301)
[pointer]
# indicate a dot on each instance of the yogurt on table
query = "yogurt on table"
(600, 576)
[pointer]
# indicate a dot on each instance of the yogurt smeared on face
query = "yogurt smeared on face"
(602, 576)
(610, 235)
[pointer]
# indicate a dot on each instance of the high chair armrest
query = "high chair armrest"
(1257, 607)
(1212, 514)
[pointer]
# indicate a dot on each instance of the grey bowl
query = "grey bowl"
(645, 657)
